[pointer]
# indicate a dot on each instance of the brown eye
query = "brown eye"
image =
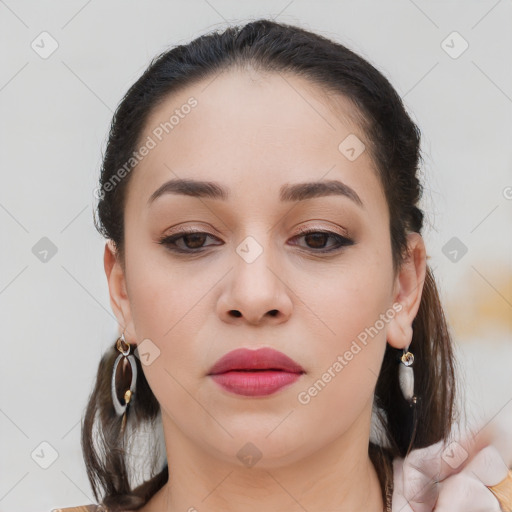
(195, 240)
(317, 241)
(187, 242)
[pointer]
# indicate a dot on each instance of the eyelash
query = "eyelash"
(169, 241)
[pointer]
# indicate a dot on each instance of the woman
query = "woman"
(259, 194)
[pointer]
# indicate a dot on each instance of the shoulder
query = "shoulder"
(81, 508)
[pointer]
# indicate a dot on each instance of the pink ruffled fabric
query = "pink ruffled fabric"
(453, 477)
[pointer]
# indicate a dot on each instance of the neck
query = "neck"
(339, 476)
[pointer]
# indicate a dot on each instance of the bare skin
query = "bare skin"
(254, 133)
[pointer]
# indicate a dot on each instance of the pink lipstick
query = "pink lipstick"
(258, 372)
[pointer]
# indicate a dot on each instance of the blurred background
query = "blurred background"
(66, 66)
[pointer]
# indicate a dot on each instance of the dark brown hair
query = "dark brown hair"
(394, 143)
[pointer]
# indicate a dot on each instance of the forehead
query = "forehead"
(253, 132)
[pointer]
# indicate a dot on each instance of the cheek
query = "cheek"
(166, 304)
(353, 310)
(348, 356)
(167, 309)
(351, 297)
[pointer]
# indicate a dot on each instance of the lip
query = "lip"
(255, 372)
(260, 359)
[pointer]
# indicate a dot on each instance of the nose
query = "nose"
(255, 292)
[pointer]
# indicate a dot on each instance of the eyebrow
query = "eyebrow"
(288, 192)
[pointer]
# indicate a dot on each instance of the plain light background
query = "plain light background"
(56, 319)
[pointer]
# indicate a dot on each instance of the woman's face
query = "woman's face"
(251, 279)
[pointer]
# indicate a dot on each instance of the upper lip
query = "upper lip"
(259, 359)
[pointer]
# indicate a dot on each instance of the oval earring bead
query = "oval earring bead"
(406, 379)
(120, 407)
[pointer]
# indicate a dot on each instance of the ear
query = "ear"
(407, 292)
(117, 290)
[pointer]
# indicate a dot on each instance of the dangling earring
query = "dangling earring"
(406, 376)
(126, 371)
(406, 379)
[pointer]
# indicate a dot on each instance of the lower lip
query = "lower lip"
(259, 383)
